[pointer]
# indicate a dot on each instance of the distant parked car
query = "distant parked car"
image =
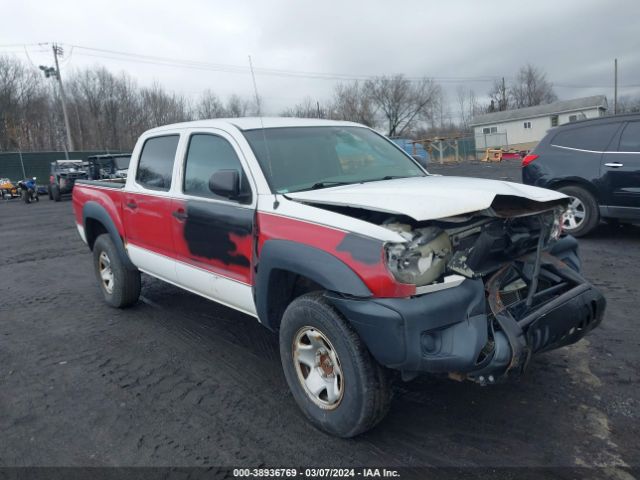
(597, 163)
(64, 174)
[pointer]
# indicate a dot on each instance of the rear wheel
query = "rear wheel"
(49, 192)
(583, 215)
(120, 285)
(26, 196)
(334, 379)
(55, 192)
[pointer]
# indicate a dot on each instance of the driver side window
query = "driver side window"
(207, 154)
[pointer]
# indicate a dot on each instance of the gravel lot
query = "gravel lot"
(177, 380)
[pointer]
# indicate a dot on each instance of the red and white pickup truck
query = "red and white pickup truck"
(364, 263)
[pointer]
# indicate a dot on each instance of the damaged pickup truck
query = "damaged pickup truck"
(335, 238)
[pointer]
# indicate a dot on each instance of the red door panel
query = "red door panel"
(147, 221)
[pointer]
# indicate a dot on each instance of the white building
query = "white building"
(524, 127)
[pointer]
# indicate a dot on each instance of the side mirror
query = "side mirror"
(225, 183)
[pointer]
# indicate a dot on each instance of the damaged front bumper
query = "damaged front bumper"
(483, 330)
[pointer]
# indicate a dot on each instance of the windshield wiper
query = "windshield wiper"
(319, 185)
(387, 177)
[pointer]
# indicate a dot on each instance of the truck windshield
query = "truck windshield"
(304, 158)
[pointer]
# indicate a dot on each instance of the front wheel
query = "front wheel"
(26, 197)
(334, 379)
(120, 285)
(583, 215)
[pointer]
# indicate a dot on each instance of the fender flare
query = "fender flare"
(318, 265)
(95, 211)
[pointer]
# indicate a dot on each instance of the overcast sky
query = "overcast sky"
(574, 41)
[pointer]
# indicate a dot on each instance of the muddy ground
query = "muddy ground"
(177, 380)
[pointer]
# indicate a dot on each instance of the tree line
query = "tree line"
(110, 111)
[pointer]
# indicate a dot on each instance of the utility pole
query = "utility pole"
(615, 86)
(58, 51)
(55, 72)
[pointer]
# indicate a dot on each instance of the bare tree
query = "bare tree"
(499, 96)
(237, 106)
(209, 106)
(531, 87)
(403, 102)
(163, 108)
(628, 104)
(353, 102)
(468, 106)
(308, 108)
(20, 93)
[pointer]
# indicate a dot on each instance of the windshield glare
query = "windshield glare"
(301, 158)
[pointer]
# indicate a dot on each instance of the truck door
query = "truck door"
(213, 235)
(147, 208)
(621, 172)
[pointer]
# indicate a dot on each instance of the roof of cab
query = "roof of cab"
(252, 123)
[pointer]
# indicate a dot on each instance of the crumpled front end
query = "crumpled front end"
(483, 330)
(493, 287)
(535, 304)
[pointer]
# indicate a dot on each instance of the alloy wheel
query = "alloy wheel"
(575, 214)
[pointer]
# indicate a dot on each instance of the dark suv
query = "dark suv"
(597, 163)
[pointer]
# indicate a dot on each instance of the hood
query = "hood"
(425, 198)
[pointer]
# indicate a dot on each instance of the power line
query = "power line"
(241, 69)
(20, 45)
(167, 61)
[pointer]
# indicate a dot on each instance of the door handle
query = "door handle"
(180, 214)
(614, 164)
(132, 205)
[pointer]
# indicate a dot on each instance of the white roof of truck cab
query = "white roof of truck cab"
(252, 123)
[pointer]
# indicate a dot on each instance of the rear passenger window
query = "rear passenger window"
(156, 162)
(206, 155)
(630, 138)
(593, 137)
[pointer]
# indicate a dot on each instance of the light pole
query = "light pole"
(55, 73)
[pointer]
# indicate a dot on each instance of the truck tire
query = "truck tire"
(120, 285)
(55, 193)
(583, 214)
(49, 192)
(334, 379)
